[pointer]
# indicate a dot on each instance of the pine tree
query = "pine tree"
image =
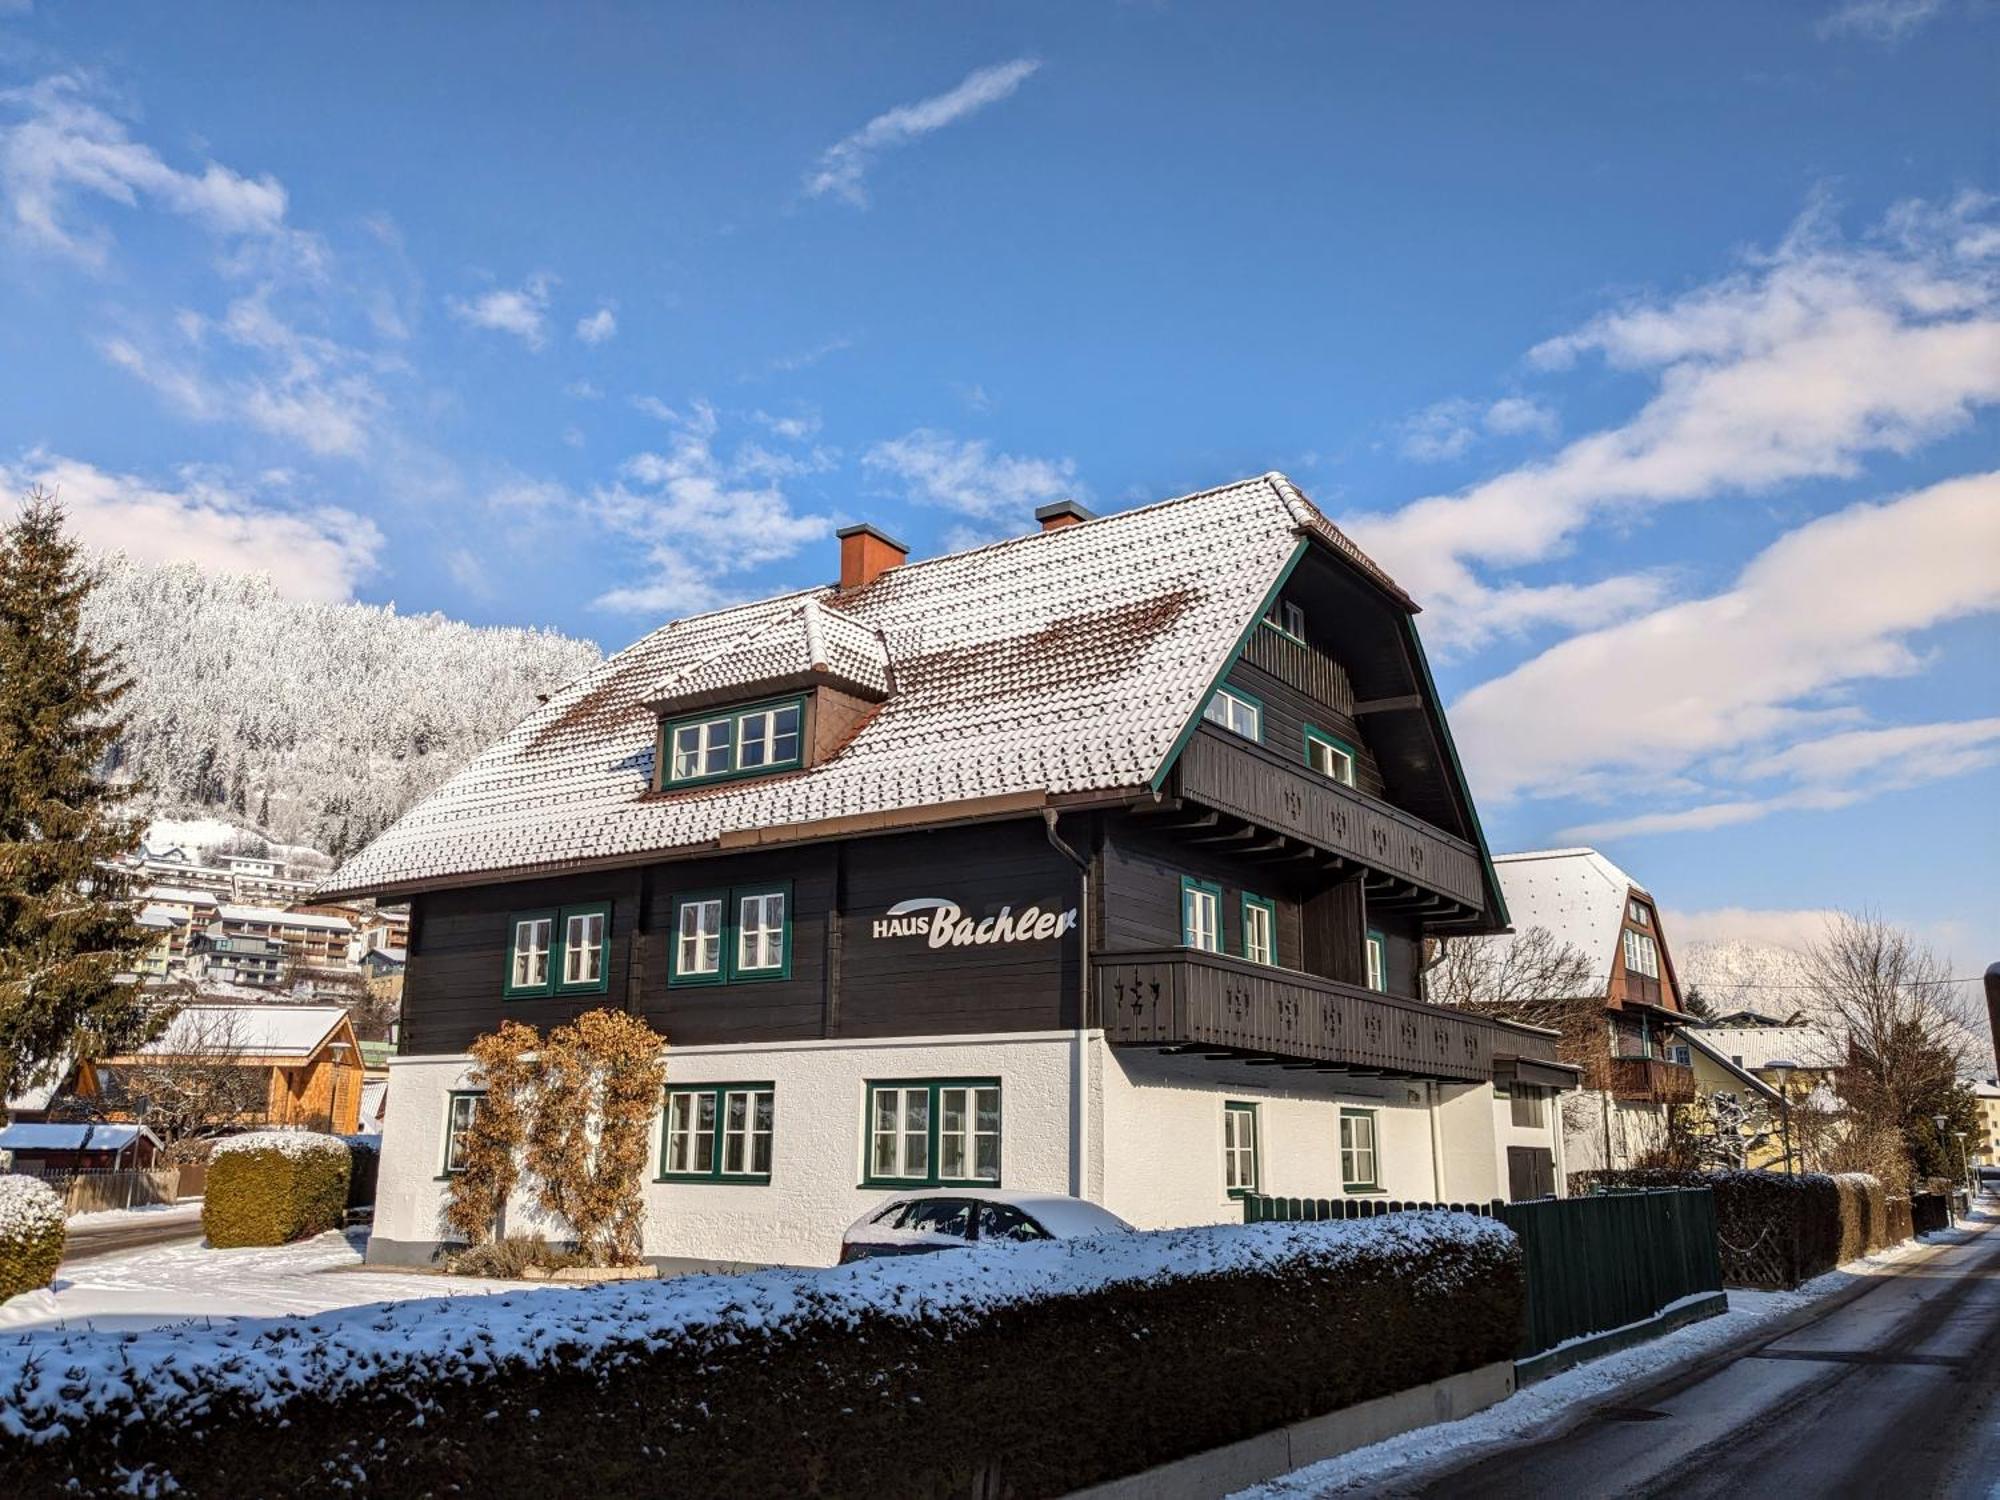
(66, 930)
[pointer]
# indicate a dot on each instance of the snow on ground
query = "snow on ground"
(81, 1226)
(159, 1285)
(1527, 1411)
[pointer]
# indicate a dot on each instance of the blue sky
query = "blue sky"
(1654, 348)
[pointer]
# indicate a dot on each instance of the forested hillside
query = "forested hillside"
(310, 723)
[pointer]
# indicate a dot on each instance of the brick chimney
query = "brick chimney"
(1062, 513)
(866, 554)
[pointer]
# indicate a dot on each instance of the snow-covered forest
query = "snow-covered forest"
(311, 724)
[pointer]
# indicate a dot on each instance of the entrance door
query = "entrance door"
(1531, 1172)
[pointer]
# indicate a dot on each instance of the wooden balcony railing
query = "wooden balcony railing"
(1651, 1080)
(1182, 996)
(1262, 787)
(1306, 668)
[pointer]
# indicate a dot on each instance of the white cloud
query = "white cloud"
(600, 327)
(1448, 429)
(1880, 20)
(1810, 358)
(966, 476)
(583, 390)
(844, 165)
(314, 553)
(795, 428)
(300, 387)
(701, 517)
(1743, 685)
(61, 146)
(521, 311)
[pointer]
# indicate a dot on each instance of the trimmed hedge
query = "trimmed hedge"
(274, 1186)
(1774, 1230)
(1864, 1214)
(1021, 1371)
(32, 1234)
(1930, 1212)
(364, 1167)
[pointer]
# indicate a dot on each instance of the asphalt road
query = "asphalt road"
(1895, 1392)
(87, 1241)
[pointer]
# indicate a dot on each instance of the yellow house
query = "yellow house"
(1717, 1073)
(1983, 1150)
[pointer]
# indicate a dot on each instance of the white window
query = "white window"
(746, 1132)
(1201, 916)
(1330, 758)
(901, 1134)
(769, 737)
(1642, 954)
(691, 1132)
(1239, 1148)
(1288, 617)
(531, 953)
(969, 1134)
(1378, 962)
(703, 749)
(458, 1118)
(698, 942)
(583, 948)
(1235, 713)
(1639, 914)
(1260, 940)
(760, 933)
(1358, 1168)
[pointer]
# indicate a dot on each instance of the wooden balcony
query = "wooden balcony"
(1187, 998)
(1259, 786)
(1306, 668)
(1651, 1080)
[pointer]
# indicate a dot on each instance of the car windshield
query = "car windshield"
(952, 1216)
(1002, 1221)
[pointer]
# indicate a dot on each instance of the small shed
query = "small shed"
(42, 1150)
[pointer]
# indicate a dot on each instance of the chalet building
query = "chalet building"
(1095, 861)
(307, 1057)
(258, 962)
(1635, 1068)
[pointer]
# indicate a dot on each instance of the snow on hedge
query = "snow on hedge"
(290, 1142)
(50, 1379)
(28, 1205)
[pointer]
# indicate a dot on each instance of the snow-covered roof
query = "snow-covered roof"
(37, 1097)
(1066, 661)
(168, 895)
(159, 916)
(1708, 1045)
(271, 916)
(32, 1137)
(254, 1029)
(1577, 894)
(1808, 1045)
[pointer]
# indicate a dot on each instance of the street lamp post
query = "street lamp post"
(1784, 1067)
(1964, 1160)
(1944, 1138)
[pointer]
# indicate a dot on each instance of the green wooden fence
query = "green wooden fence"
(1592, 1264)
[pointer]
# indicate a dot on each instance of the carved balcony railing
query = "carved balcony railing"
(1172, 997)
(1261, 787)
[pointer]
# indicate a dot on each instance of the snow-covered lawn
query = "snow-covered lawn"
(1528, 1410)
(188, 1282)
(187, 1211)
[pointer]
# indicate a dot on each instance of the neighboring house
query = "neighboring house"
(383, 963)
(1096, 861)
(167, 945)
(308, 1053)
(1984, 1147)
(1737, 1096)
(32, 1103)
(310, 939)
(44, 1150)
(256, 962)
(1623, 1024)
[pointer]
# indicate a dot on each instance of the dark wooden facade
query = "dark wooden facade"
(1336, 864)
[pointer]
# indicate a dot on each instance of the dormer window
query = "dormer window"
(739, 742)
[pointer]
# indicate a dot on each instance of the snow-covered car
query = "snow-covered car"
(953, 1218)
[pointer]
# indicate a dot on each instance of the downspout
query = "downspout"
(1079, 1058)
(1431, 1087)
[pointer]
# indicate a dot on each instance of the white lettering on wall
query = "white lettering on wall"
(945, 925)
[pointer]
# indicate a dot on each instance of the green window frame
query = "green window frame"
(719, 1132)
(554, 952)
(913, 1130)
(1191, 888)
(1359, 1149)
(460, 1106)
(1377, 956)
(1316, 736)
(1269, 911)
(1242, 699)
(1242, 1149)
(1288, 618)
(753, 739)
(743, 936)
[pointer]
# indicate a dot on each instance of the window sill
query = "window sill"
(705, 1179)
(909, 1184)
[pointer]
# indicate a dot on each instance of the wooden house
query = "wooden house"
(1096, 861)
(311, 1062)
